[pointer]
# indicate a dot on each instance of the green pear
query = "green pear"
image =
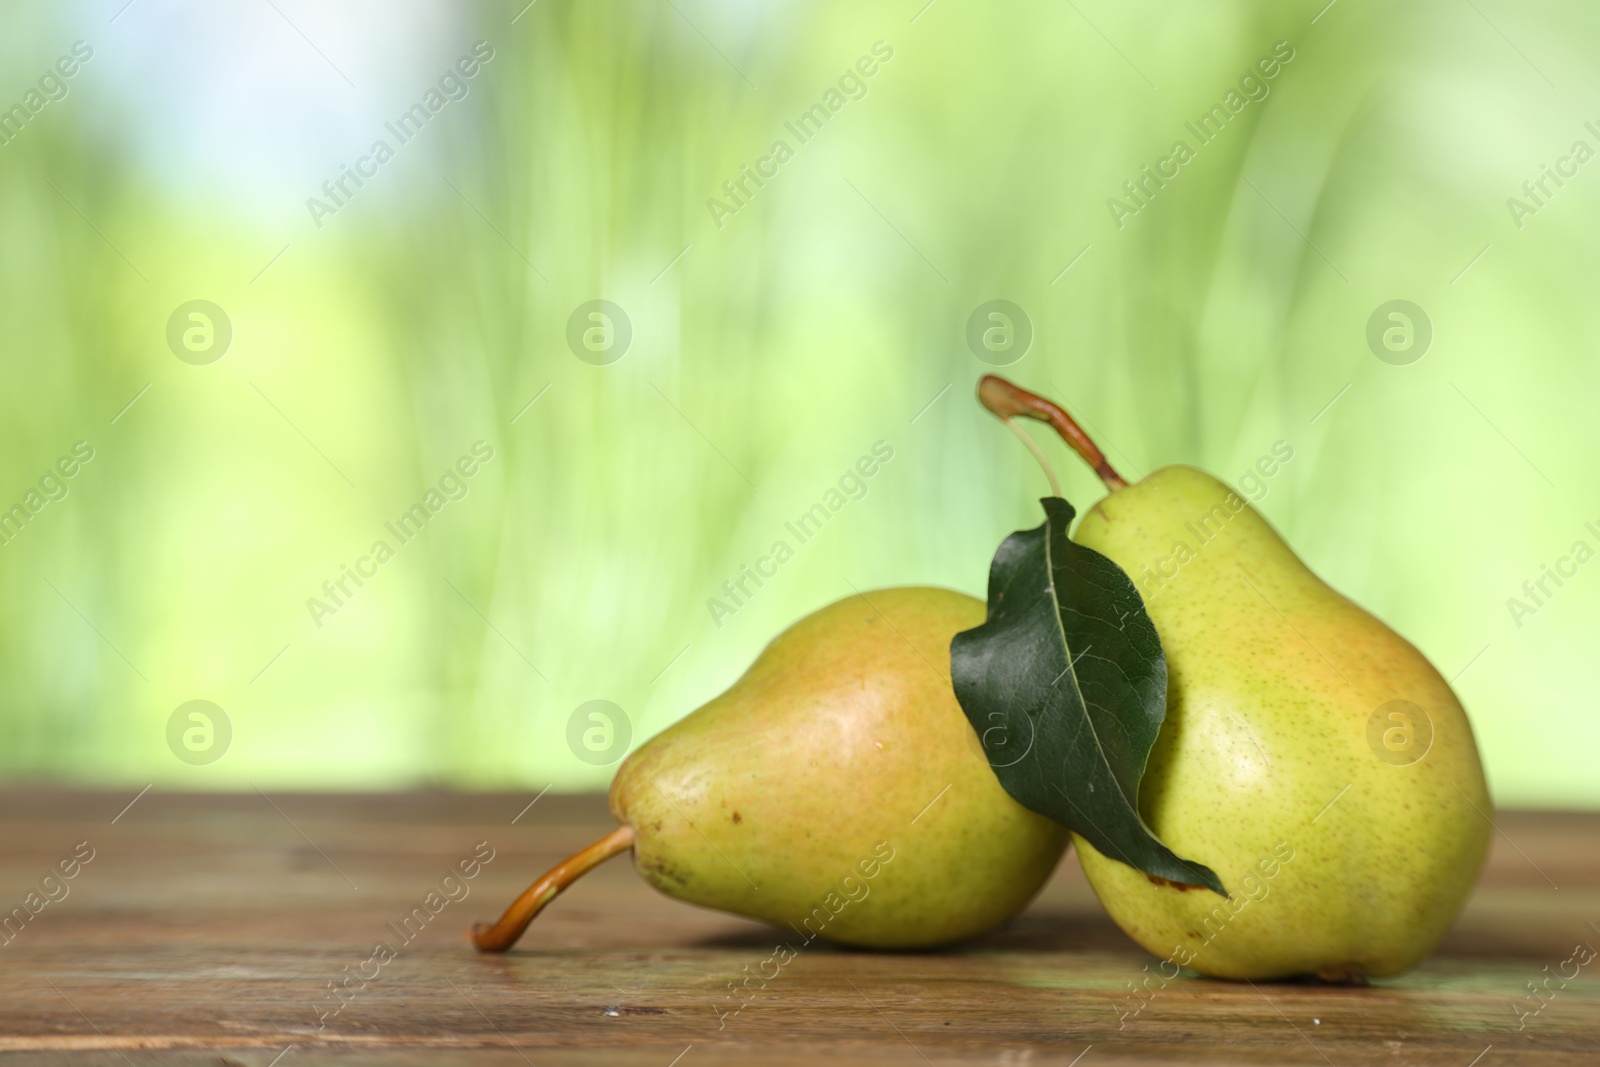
(836, 789)
(1310, 756)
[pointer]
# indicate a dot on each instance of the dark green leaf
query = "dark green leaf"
(1066, 685)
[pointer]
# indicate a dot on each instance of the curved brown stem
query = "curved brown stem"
(1008, 401)
(502, 935)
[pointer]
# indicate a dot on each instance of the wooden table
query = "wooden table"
(206, 930)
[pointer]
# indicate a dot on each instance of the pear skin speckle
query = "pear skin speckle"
(864, 812)
(1341, 859)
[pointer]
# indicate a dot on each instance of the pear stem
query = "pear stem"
(1008, 401)
(1038, 454)
(503, 934)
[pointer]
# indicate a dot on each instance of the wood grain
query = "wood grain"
(206, 929)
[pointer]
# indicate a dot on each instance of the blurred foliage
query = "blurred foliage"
(768, 352)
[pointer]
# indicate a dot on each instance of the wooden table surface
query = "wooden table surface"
(207, 930)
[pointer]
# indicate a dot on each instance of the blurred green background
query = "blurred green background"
(772, 342)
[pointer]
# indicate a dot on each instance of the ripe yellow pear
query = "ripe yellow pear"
(836, 789)
(1310, 756)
